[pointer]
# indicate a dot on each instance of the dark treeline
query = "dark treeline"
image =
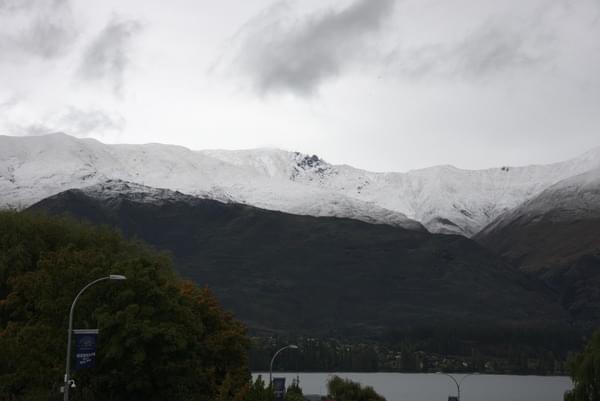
(313, 355)
(468, 349)
(492, 341)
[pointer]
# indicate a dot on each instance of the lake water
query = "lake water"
(435, 387)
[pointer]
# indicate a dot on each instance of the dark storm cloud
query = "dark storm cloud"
(280, 53)
(42, 28)
(107, 58)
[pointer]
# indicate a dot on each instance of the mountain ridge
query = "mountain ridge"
(556, 237)
(317, 275)
(444, 199)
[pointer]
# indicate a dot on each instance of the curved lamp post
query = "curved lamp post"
(68, 364)
(291, 346)
(458, 383)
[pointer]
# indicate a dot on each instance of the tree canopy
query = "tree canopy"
(346, 390)
(585, 372)
(160, 337)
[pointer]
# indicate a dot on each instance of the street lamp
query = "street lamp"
(68, 364)
(458, 383)
(291, 346)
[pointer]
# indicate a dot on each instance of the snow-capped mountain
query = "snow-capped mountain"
(572, 199)
(553, 229)
(556, 236)
(116, 190)
(443, 198)
(33, 168)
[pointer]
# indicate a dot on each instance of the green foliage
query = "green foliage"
(259, 391)
(520, 351)
(346, 390)
(585, 372)
(160, 337)
(294, 392)
(294, 388)
(291, 396)
(314, 354)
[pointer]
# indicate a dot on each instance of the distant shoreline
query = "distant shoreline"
(402, 373)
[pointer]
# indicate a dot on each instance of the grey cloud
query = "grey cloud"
(47, 38)
(493, 49)
(279, 53)
(29, 129)
(106, 58)
(11, 6)
(74, 121)
(479, 56)
(9, 102)
(47, 28)
(497, 46)
(86, 122)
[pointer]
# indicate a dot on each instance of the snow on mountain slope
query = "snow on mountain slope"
(33, 168)
(556, 236)
(444, 198)
(113, 190)
(572, 199)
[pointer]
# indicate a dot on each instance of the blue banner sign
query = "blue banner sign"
(279, 388)
(85, 348)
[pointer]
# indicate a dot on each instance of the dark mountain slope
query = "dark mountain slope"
(321, 276)
(556, 236)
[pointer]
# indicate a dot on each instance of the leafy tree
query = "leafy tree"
(294, 388)
(346, 390)
(294, 397)
(585, 372)
(259, 391)
(160, 337)
(294, 392)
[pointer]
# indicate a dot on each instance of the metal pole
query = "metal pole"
(292, 346)
(462, 379)
(454, 380)
(467, 375)
(67, 384)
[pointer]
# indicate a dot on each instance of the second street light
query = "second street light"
(68, 381)
(291, 346)
(458, 383)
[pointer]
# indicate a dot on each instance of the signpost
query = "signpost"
(68, 382)
(85, 348)
(279, 388)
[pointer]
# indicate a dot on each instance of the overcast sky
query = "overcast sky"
(378, 84)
